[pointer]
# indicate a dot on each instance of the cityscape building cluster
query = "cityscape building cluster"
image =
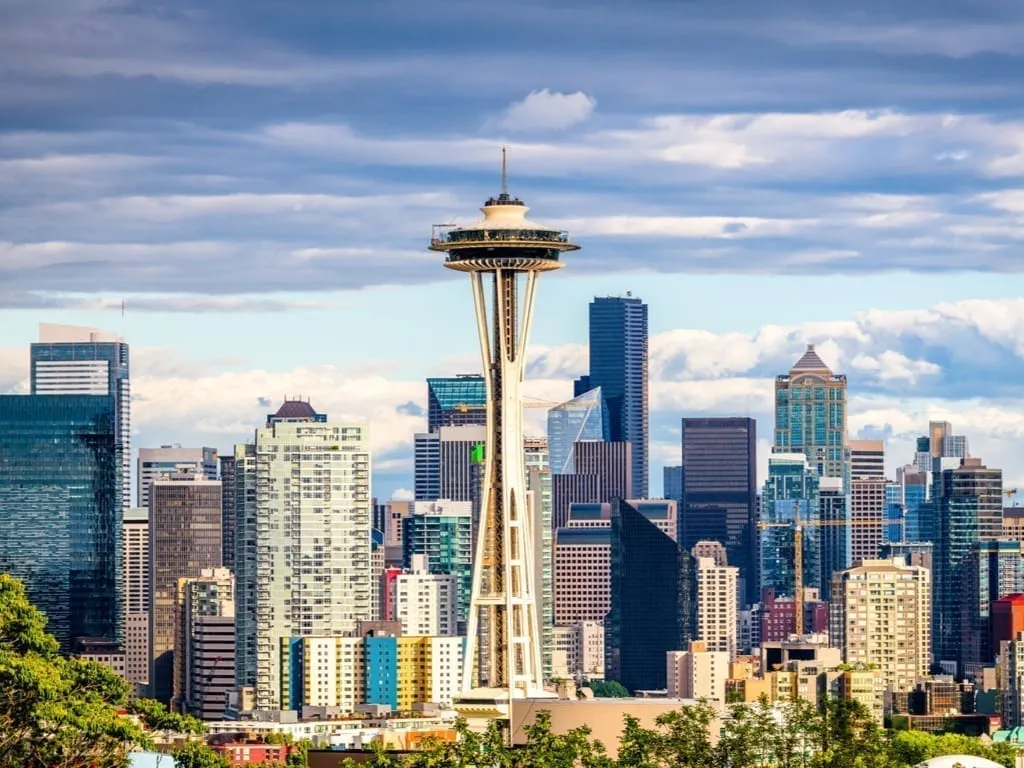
(267, 578)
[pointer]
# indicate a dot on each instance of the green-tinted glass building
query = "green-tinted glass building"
(810, 415)
(791, 493)
(456, 401)
(442, 530)
(61, 508)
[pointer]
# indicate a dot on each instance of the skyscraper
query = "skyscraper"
(672, 478)
(618, 366)
(136, 595)
(717, 598)
(456, 401)
(72, 360)
(653, 600)
(303, 545)
(442, 531)
(810, 414)
(603, 471)
(184, 540)
(169, 460)
(443, 467)
(61, 510)
(503, 254)
(969, 506)
(790, 497)
(204, 657)
(719, 492)
(582, 418)
(880, 615)
(993, 569)
(867, 499)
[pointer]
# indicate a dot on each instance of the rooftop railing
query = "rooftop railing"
(447, 235)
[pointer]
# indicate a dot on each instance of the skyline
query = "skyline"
(258, 186)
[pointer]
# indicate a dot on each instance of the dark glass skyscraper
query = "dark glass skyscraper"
(653, 600)
(618, 365)
(60, 510)
(453, 402)
(969, 505)
(70, 360)
(719, 491)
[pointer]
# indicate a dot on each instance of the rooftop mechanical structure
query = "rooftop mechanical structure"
(504, 254)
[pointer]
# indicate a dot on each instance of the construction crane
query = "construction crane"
(798, 556)
(1009, 493)
(527, 403)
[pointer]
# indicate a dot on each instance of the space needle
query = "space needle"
(504, 254)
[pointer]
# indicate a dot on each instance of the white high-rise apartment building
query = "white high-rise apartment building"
(881, 614)
(697, 673)
(135, 534)
(717, 598)
(425, 603)
(171, 460)
(311, 567)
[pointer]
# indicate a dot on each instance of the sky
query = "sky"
(257, 181)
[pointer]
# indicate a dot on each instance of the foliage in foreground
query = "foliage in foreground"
(842, 734)
(57, 712)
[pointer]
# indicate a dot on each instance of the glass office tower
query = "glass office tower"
(790, 494)
(61, 510)
(618, 365)
(71, 360)
(580, 419)
(719, 491)
(457, 401)
(653, 599)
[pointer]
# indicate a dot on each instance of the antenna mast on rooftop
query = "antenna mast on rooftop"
(504, 171)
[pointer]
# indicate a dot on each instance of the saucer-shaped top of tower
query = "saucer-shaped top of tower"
(503, 239)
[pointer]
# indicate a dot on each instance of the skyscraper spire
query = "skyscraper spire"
(504, 171)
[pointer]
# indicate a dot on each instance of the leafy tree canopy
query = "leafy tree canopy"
(55, 712)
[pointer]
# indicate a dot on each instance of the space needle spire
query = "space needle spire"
(504, 253)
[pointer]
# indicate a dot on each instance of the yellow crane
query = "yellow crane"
(798, 556)
(1009, 493)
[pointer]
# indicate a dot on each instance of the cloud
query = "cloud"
(959, 362)
(544, 110)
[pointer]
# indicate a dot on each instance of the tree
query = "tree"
(196, 754)
(639, 747)
(684, 736)
(608, 689)
(157, 717)
(55, 712)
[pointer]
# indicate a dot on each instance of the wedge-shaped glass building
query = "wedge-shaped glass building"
(578, 420)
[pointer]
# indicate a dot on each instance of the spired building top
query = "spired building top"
(503, 239)
(810, 363)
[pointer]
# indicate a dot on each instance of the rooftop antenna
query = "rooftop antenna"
(504, 171)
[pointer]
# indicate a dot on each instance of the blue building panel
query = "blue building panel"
(382, 671)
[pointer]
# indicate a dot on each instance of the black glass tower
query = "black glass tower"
(653, 600)
(719, 499)
(618, 365)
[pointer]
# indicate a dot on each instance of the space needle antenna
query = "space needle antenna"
(504, 171)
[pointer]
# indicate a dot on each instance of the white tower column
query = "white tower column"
(504, 254)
